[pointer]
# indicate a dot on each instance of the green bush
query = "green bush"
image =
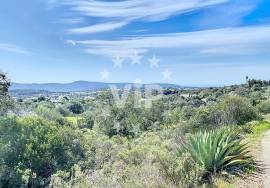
(73, 179)
(50, 113)
(219, 150)
(32, 149)
(63, 110)
(182, 170)
(85, 122)
(229, 111)
(202, 117)
(76, 108)
(236, 110)
(146, 175)
(264, 107)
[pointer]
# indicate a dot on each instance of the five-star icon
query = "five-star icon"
(105, 74)
(135, 59)
(167, 74)
(118, 61)
(154, 62)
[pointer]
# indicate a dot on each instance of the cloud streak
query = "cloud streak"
(97, 28)
(147, 10)
(219, 16)
(77, 20)
(117, 14)
(13, 48)
(229, 41)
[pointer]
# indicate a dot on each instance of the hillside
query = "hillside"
(65, 139)
(74, 86)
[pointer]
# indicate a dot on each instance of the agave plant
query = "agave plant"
(219, 150)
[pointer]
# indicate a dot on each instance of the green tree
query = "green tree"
(76, 108)
(5, 99)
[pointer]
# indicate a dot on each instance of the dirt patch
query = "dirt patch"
(265, 157)
(261, 151)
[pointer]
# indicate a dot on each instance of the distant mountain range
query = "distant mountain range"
(75, 86)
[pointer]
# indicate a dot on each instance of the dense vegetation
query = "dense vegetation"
(186, 139)
(5, 100)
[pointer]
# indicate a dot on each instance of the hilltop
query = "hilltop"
(76, 86)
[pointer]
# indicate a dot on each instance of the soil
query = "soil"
(265, 157)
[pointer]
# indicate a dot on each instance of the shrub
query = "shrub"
(182, 170)
(187, 112)
(264, 107)
(235, 110)
(202, 117)
(219, 150)
(85, 122)
(229, 111)
(73, 179)
(41, 98)
(63, 110)
(32, 149)
(50, 114)
(146, 175)
(76, 108)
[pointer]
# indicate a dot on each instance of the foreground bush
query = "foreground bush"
(182, 170)
(219, 150)
(32, 149)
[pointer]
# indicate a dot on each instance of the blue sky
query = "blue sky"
(186, 42)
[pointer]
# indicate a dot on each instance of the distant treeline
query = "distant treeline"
(260, 83)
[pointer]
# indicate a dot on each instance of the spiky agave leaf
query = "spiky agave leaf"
(218, 150)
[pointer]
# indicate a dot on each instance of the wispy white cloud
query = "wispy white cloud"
(97, 28)
(71, 20)
(71, 42)
(13, 48)
(149, 10)
(233, 41)
(117, 14)
(219, 16)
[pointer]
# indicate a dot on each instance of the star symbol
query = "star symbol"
(136, 59)
(167, 74)
(105, 74)
(118, 61)
(154, 62)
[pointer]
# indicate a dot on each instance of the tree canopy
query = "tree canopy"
(5, 99)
